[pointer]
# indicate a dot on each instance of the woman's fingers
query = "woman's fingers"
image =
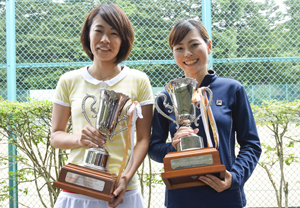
(182, 132)
(92, 137)
(196, 131)
(211, 181)
(216, 183)
(175, 142)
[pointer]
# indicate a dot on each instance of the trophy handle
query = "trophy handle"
(206, 106)
(92, 108)
(120, 122)
(171, 109)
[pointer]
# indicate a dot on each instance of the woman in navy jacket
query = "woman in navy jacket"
(233, 116)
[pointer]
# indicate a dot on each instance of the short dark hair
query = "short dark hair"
(182, 28)
(115, 17)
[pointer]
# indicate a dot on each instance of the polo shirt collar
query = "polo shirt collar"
(208, 78)
(87, 77)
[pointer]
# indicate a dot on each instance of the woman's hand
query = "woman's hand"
(119, 193)
(217, 184)
(182, 132)
(91, 137)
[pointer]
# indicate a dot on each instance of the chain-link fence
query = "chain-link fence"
(254, 41)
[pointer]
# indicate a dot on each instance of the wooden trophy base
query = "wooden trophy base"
(182, 169)
(86, 181)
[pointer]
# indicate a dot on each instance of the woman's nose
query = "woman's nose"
(104, 39)
(187, 53)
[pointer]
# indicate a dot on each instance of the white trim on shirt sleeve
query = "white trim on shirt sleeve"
(54, 100)
(147, 102)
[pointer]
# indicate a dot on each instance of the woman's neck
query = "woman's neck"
(199, 76)
(103, 71)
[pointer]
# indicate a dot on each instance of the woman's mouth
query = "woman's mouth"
(104, 49)
(190, 62)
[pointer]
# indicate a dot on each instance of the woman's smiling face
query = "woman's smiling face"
(105, 41)
(191, 54)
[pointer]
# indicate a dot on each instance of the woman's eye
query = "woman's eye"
(99, 31)
(114, 33)
(178, 49)
(195, 44)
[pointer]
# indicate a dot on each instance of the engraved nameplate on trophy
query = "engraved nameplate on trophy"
(91, 177)
(85, 181)
(183, 168)
(190, 162)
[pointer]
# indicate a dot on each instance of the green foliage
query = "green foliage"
(49, 32)
(275, 113)
(279, 117)
(27, 125)
(255, 30)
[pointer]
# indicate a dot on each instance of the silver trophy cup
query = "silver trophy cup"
(110, 107)
(181, 91)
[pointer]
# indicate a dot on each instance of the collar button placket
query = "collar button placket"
(102, 85)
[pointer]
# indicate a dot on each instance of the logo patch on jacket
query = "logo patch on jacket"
(219, 102)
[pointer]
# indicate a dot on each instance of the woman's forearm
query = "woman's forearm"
(63, 140)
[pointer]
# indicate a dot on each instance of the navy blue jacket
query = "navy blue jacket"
(235, 123)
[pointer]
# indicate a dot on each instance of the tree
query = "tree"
(48, 32)
(279, 117)
(27, 125)
(251, 29)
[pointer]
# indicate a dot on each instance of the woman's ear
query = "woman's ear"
(209, 47)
